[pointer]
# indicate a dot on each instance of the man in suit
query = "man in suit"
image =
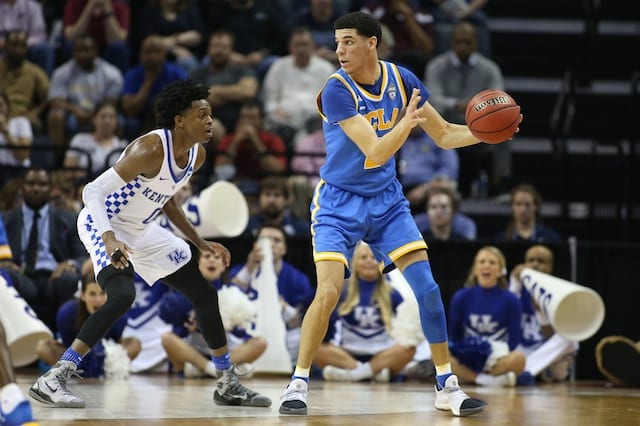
(49, 254)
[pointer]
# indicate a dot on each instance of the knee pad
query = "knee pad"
(119, 285)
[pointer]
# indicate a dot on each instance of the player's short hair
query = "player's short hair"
(176, 98)
(364, 24)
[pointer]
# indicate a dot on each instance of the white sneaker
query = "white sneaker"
(335, 374)
(294, 399)
(191, 371)
(51, 387)
(383, 376)
(452, 398)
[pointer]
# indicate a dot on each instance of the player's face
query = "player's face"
(439, 210)
(487, 268)
(523, 207)
(353, 50)
(539, 259)
(199, 122)
(94, 297)
(211, 266)
(278, 244)
(365, 264)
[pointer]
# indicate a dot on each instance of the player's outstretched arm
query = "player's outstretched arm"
(446, 135)
(380, 150)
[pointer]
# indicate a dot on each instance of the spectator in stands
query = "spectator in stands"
(273, 200)
(463, 224)
(11, 194)
(185, 346)
(319, 16)
(71, 316)
(294, 286)
(143, 84)
(359, 345)
(25, 84)
(412, 29)
(291, 85)
(27, 16)
(484, 324)
(549, 355)
(421, 161)
(442, 205)
(525, 223)
(106, 21)
(15, 132)
(251, 150)
(453, 78)
(77, 87)
(259, 29)
(45, 244)
(24, 286)
(180, 27)
(230, 84)
(447, 13)
(99, 149)
(309, 154)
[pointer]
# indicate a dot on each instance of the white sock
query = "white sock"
(484, 379)
(10, 397)
(361, 372)
(210, 369)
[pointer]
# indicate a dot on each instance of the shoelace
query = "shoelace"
(63, 376)
(233, 384)
(293, 393)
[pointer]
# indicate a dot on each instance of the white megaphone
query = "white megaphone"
(21, 325)
(576, 312)
(220, 210)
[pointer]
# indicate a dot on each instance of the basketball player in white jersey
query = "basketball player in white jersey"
(118, 229)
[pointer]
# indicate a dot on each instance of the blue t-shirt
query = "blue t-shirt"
(135, 77)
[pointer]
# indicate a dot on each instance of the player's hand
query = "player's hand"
(219, 249)
(119, 253)
(414, 115)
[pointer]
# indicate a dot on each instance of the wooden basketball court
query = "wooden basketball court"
(161, 400)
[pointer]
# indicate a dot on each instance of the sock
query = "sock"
(301, 373)
(10, 397)
(71, 355)
(211, 369)
(484, 379)
(443, 371)
(223, 362)
(361, 372)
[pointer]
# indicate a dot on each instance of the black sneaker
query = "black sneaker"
(229, 391)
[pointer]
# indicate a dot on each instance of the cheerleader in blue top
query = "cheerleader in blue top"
(358, 345)
(70, 317)
(185, 345)
(484, 324)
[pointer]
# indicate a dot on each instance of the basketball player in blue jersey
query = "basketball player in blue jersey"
(359, 197)
(118, 229)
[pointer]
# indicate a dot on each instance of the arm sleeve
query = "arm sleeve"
(94, 194)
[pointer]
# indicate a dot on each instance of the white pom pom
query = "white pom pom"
(116, 360)
(235, 308)
(405, 326)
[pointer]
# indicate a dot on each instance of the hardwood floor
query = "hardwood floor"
(161, 400)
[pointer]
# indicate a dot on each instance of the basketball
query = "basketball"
(492, 116)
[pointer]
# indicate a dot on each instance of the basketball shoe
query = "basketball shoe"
(15, 410)
(452, 398)
(51, 387)
(229, 391)
(294, 399)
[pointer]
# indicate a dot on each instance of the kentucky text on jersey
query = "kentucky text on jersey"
(155, 196)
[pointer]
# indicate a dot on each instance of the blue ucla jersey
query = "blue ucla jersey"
(346, 167)
(362, 331)
(491, 314)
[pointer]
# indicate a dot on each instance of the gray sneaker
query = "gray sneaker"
(51, 387)
(229, 391)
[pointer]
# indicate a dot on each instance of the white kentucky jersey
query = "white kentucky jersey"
(139, 201)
